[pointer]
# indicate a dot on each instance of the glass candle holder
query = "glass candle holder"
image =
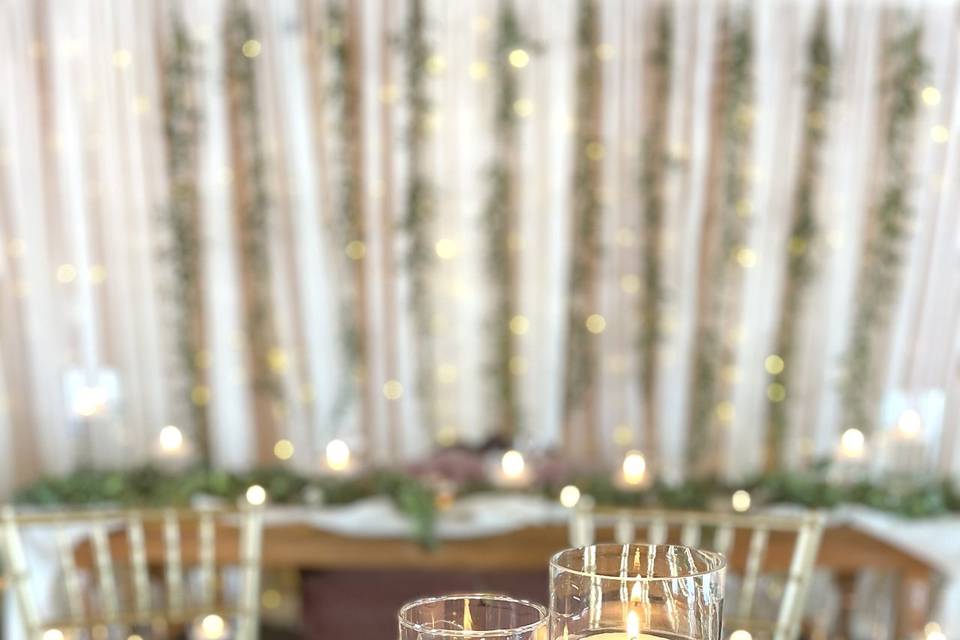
(481, 615)
(636, 592)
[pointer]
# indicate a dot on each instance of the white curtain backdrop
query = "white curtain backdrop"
(85, 284)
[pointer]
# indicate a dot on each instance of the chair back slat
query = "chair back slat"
(657, 531)
(751, 572)
(798, 579)
(208, 574)
(251, 544)
(137, 544)
(71, 577)
(690, 534)
(723, 539)
(106, 578)
(624, 530)
(582, 528)
(16, 565)
(173, 566)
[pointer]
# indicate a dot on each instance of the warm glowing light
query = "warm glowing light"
(594, 151)
(741, 634)
(338, 455)
(519, 325)
(936, 635)
(773, 364)
(939, 134)
(446, 249)
(212, 626)
(89, 401)
(746, 257)
(277, 359)
(436, 64)
(519, 58)
(271, 599)
(634, 467)
(447, 374)
(135, 636)
(523, 107)
(633, 618)
(66, 273)
(930, 96)
(740, 500)
(776, 392)
(569, 496)
(725, 411)
(518, 365)
(851, 443)
(251, 48)
(910, 423)
(604, 51)
(596, 323)
(171, 438)
(467, 618)
(392, 390)
(479, 70)
(931, 627)
(122, 58)
(283, 449)
(513, 464)
(630, 283)
(53, 634)
(356, 250)
(256, 495)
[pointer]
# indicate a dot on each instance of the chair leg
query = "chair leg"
(913, 600)
(847, 585)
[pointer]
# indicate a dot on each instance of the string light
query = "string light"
(930, 96)
(171, 438)
(392, 389)
(283, 450)
(519, 325)
(356, 250)
(479, 70)
(271, 599)
(939, 134)
(90, 401)
(251, 48)
(773, 364)
(746, 257)
(630, 283)
(200, 395)
(338, 455)
(569, 496)
(66, 273)
(277, 359)
(446, 374)
(594, 151)
(604, 51)
(523, 107)
(256, 495)
(776, 392)
(122, 58)
(634, 467)
(446, 249)
(519, 58)
(725, 411)
(513, 464)
(852, 443)
(596, 323)
(910, 423)
(740, 501)
(623, 435)
(97, 273)
(436, 64)
(213, 626)
(518, 365)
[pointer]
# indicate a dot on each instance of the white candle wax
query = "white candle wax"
(621, 635)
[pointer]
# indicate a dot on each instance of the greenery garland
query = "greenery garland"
(653, 166)
(803, 234)
(501, 214)
(722, 271)
(581, 352)
(880, 272)
(419, 209)
(151, 486)
(181, 133)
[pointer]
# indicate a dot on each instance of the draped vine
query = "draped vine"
(344, 95)
(181, 129)
(581, 346)
(653, 168)
(252, 210)
(879, 278)
(419, 208)
(501, 217)
(723, 254)
(802, 239)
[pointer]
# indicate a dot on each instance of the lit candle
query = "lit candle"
(631, 621)
(633, 472)
(338, 456)
(512, 471)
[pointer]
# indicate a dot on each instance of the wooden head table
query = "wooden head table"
(343, 575)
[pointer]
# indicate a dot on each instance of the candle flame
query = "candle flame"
(633, 625)
(566, 634)
(634, 468)
(467, 618)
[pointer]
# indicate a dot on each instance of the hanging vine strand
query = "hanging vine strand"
(722, 251)
(419, 211)
(252, 208)
(652, 178)
(501, 218)
(880, 272)
(581, 352)
(802, 239)
(181, 133)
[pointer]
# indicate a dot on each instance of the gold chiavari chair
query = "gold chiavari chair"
(752, 544)
(127, 550)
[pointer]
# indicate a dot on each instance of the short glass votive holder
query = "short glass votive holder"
(636, 592)
(477, 615)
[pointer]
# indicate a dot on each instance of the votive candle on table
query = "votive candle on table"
(636, 592)
(488, 616)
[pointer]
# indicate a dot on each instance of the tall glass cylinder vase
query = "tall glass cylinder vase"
(475, 616)
(636, 592)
